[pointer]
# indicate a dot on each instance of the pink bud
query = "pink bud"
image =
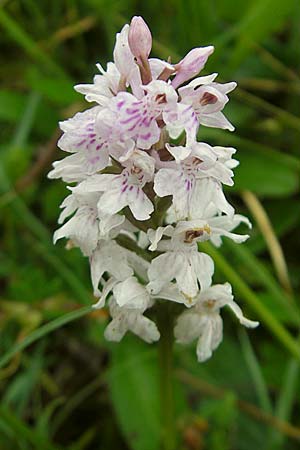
(191, 64)
(139, 39)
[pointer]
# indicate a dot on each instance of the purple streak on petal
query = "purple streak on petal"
(81, 142)
(147, 121)
(120, 104)
(137, 116)
(132, 111)
(145, 137)
(134, 126)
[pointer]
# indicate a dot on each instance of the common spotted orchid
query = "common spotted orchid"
(145, 192)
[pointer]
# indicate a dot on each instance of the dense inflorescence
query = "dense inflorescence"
(143, 185)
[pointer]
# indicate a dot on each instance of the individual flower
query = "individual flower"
(137, 118)
(191, 64)
(203, 321)
(202, 102)
(70, 169)
(122, 73)
(195, 179)
(111, 258)
(83, 227)
(104, 86)
(127, 305)
(124, 189)
(93, 135)
(130, 319)
(181, 261)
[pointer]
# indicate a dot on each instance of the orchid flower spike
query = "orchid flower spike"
(133, 191)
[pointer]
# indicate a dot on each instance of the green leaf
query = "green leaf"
(133, 382)
(255, 371)
(20, 392)
(22, 431)
(17, 34)
(59, 90)
(43, 331)
(263, 176)
(261, 19)
(12, 105)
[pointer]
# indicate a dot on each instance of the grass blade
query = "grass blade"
(43, 331)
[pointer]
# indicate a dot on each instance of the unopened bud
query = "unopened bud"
(139, 39)
(191, 64)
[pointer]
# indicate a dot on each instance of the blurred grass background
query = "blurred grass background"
(70, 389)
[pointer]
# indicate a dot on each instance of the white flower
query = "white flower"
(137, 118)
(69, 169)
(122, 73)
(130, 300)
(181, 262)
(203, 321)
(111, 258)
(86, 228)
(125, 63)
(214, 224)
(195, 180)
(202, 101)
(104, 86)
(191, 64)
(94, 137)
(125, 189)
(130, 319)
(83, 227)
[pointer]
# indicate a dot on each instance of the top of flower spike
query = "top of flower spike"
(139, 39)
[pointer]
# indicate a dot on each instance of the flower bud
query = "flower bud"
(191, 64)
(139, 39)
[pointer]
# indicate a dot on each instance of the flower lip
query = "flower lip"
(208, 99)
(210, 303)
(195, 233)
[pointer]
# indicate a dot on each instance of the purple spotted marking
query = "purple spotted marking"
(120, 104)
(145, 137)
(134, 126)
(132, 111)
(137, 116)
(81, 142)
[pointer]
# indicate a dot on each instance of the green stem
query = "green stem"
(165, 324)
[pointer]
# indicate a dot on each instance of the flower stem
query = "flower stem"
(165, 324)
